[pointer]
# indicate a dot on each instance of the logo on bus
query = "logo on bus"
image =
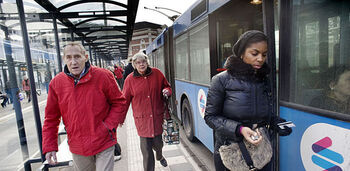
(202, 100)
(323, 146)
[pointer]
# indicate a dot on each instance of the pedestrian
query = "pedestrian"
(5, 99)
(145, 88)
(47, 80)
(128, 69)
(239, 98)
(8, 90)
(117, 149)
(118, 71)
(91, 105)
(26, 87)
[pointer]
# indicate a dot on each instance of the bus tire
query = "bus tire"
(187, 120)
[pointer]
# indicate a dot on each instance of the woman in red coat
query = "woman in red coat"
(145, 88)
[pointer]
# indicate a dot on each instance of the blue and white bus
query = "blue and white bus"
(306, 39)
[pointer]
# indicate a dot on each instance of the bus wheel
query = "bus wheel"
(187, 120)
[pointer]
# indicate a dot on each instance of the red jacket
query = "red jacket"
(145, 93)
(118, 72)
(26, 85)
(90, 110)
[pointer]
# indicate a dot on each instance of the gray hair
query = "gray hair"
(139, 56)
(80, 46)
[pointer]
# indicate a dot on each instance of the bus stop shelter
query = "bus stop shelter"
(34, 32)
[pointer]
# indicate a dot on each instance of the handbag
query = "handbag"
(244, 156)
(170, 127)
(171, 132)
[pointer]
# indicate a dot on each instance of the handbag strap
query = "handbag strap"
(246, 156)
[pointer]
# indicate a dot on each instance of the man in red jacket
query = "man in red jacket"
(145, 88)
(91, 105)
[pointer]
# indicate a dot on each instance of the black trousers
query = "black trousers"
(147, 146)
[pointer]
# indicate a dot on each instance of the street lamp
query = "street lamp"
(172, 18)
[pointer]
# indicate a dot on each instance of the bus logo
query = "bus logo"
(201, 101)
(321, 147)
(325, 147)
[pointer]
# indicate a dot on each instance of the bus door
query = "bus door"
(226, 25)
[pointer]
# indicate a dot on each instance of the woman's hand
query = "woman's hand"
(249, 133)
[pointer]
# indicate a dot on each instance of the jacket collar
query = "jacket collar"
(148, 72)
(85, 72)
(236, 67)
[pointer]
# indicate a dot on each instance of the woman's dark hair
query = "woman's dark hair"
(333, 74)
(246, 39)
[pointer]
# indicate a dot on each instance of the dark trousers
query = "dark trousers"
(28, 95)
(147, 144)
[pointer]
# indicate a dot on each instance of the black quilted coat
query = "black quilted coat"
(238, 96)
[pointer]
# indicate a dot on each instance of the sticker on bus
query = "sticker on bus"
(202, 101)
(325, 147)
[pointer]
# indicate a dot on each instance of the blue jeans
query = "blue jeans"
(9, 95)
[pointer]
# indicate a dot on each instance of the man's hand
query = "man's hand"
(52, 155)
(166, 93)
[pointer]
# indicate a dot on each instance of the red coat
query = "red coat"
(145, 94)
(118, 72)
(26, 86)
(90, 110)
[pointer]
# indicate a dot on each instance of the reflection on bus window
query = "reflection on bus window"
(181, 58)
(336, 86)
(199, 54)
(320, 37)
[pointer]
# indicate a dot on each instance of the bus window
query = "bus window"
(232, 22)
(181, 58)
(159, 57)
(199, 54)
(320, 55)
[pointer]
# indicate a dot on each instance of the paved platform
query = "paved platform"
(177, 157)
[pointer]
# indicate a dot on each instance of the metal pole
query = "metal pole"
(30, 73)
(90, 54)
(14, 94)
(95, 58)
(57, 41)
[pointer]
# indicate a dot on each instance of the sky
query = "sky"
(155, 17)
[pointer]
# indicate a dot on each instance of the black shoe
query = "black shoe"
(3, 105)
(163, 162)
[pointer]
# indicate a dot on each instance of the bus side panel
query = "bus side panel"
(316, 143)
(197, 98)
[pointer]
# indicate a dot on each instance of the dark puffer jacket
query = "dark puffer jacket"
(238, 96)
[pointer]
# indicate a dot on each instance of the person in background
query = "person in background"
(26, 87)
(146, 88)
(47, 80)
(118, 71)
(117, 149)
(88, 100)
(336, 96)
(128, 69)
(8, 90)
(5, 99)
(239, 97)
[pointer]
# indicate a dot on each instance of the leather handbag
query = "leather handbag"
(242, 156)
